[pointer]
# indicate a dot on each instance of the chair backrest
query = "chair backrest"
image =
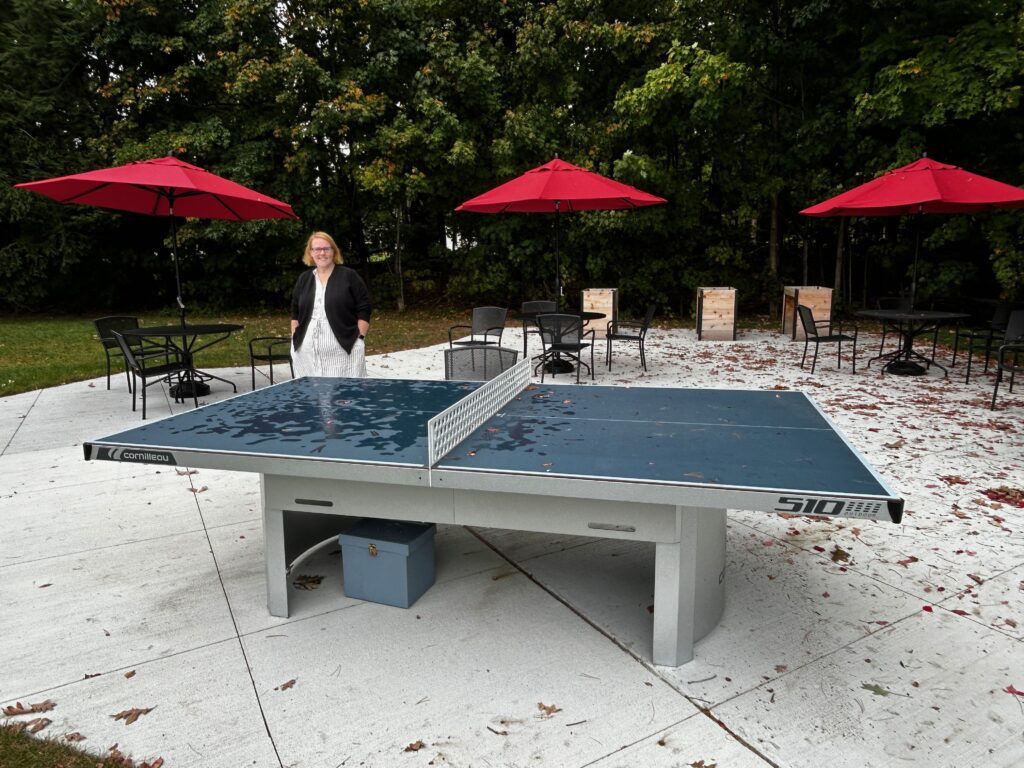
(537, 307)
(488, 318)
(651, 309)
(558, 328)
(1001, 314)
(126, 350)
(106, 326)
(477, 363)
(807, 321)
(1015, 326)
(899, 303)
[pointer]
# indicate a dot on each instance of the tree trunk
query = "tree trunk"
(837, 288)
(773, 253)
(400, 301)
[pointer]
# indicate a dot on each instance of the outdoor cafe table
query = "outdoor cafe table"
(910, 323)
(184, 339)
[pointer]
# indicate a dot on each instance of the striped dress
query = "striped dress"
(320, 353)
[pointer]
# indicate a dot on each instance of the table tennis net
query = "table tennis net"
(454, 424)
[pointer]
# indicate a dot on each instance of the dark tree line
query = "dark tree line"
(375, 118)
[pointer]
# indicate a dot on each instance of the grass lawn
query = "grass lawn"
(37, 352)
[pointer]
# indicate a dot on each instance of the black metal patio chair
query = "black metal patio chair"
(159, 372)
(833, 335)
(106, 327)
(486, 322)
(1010, 357)
(269, 350)
(629, 331)
(563, 337)
(529, 312)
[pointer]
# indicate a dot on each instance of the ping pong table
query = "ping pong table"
(651, 464)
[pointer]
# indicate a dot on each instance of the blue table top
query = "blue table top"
(737, 438)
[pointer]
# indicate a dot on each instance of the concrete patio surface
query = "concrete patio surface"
(845, 643)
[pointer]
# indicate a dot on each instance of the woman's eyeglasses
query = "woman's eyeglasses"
(326, 249)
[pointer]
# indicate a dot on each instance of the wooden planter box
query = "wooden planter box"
(604, 300)
(716, 314)
(816, 297)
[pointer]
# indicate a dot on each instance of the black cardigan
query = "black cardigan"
(346, 300)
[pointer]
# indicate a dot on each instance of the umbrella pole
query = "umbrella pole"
(913, 274)
(190, 385)
(174, 257)
(558, 271)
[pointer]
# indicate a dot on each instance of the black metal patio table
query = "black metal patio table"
(911, 323)
(184, 340)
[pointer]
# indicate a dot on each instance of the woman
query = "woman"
(330, 314)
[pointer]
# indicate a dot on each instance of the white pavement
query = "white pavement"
(844, 643)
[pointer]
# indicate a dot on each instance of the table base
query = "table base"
(299, 513)
(559, 365)
(190, 389)
(905, 368)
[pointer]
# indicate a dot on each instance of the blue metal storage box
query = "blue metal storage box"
(388, 561)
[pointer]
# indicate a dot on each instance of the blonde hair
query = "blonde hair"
(307, 256)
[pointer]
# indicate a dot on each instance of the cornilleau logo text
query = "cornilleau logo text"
(142, 456)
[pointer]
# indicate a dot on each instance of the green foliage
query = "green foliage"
(376, 118)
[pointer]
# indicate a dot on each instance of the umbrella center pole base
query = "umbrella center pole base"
(559, 365)
(188, 389)
(905, 368)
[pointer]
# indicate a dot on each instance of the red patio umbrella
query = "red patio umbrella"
(559, 186)
(924, 186)
(163, 186)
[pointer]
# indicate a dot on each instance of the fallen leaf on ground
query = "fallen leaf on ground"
(416, 746)
(286, 686)
(37, 724)
(307, 581)
(1012, 496)
(131, 715)
(75, 736)
(547, 709)
(1014, 691)
(199, 490)
(130, 674)
(840, 555)
(13, 710)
